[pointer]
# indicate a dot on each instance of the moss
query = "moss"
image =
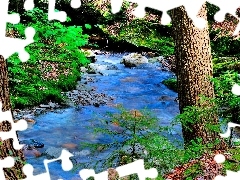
(171, 83)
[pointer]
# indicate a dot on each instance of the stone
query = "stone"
(32, 153)
(83, 69)
(165, 98)
(90, 55)
(44, 106)
(28, 116)
(53, 152)
(134, 60)
(96, 104)
(52, 105)
(100, 148)
(151, 54)
(31, 144)
(31, 121)
(139, 149)
(84, 152)
(70, 146)
(39, 110)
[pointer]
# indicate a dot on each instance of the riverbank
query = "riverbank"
(82, 93)
(70, 127)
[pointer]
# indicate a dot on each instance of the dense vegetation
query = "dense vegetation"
(54, 63)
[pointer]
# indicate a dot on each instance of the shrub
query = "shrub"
(133, 135)
(53, 43)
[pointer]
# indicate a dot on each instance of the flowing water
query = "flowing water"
(135, 88)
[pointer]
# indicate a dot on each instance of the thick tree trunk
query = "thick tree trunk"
(6, 147)
(194, 68)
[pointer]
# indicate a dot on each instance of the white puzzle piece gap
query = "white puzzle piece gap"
(18, 126)
(230, 7)
(53, 15)
(12, 45)
(136, 167)
(236, 89)
(75, 4)
(8, 162)
(192, 8)
(29, 5)
(65, 162)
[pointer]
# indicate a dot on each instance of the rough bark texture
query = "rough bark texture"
(194, 67)
(6, 147)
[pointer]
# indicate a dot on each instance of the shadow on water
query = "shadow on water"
(135, 88)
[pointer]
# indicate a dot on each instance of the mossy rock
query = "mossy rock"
(171, 83)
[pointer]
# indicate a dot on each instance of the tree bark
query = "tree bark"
(6, 147)
(194, 69)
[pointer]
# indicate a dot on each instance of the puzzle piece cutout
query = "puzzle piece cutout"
(29, 5)
(219, 158)
(7, 162)
(61, 15)
(230, 7)
(136, 167)
(228, 132)
(236, 89)
(11, 45)
(66, 164)
(21, 125)
(230, 175)
(192, 9)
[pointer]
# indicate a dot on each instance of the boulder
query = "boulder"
(134, 60)
(32, 153)
(31, 144)
(100, 68)
(53, 152)
(69, 146)
(90, 55)
(83, 69)
(165, 98)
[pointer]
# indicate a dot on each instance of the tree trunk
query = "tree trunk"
(6, 147)
(194, 69)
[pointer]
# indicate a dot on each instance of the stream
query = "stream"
(134, 88)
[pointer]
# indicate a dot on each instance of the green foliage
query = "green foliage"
(143, 33)
(141, 128)
(224, 45)
(88, 26)
(195, 114)
(171, 83)
(228, 102)
(53, 43)
(193, 171)
(211, 11)
(134, 129)
(224, 64)
(232, 164)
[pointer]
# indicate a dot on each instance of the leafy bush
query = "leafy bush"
(53, 43)
(143, 33)
(224, 45)
(224, 64)
(133, 135)
(228, 102)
